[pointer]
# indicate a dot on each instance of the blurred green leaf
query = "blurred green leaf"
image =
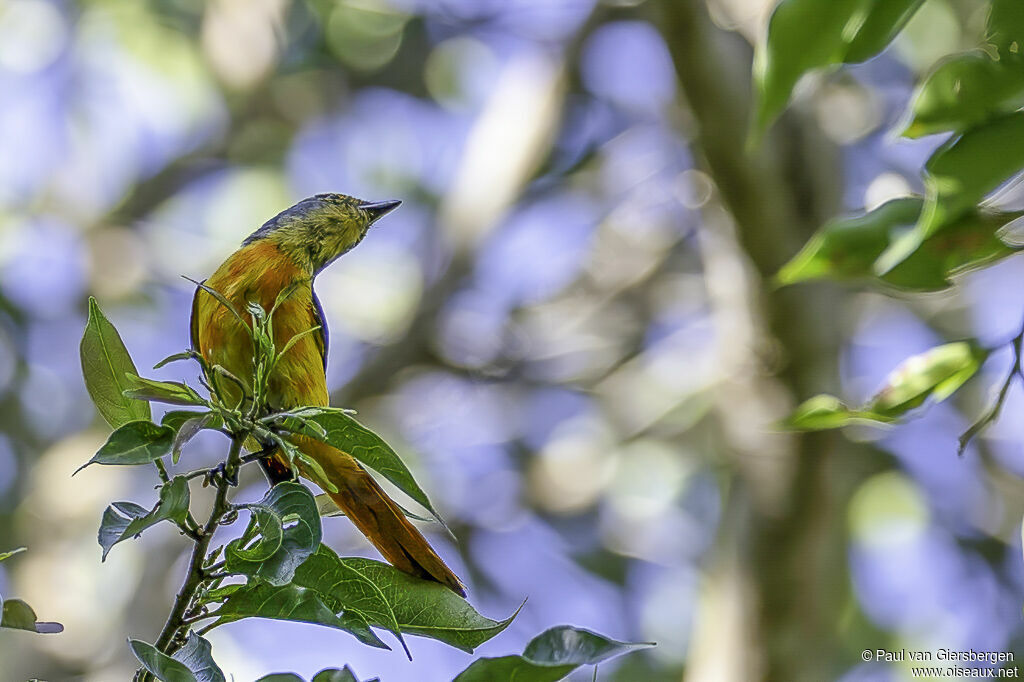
(105, 361)
(828, 412)
(964, 91)
(1006, 27)
(937, 373)
(192, 663)
(171, 392)
(847, 248)
(395, 600)
(17, 615)
(550, 656)
(138, 442)
(808, 34)
(124, 520)
(290, 532)
(348, 435)
(281, 677)
(959, 175)
(291, 602)
(8, 555)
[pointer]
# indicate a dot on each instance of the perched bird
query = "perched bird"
(288, 251)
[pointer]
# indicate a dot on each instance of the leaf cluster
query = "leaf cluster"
(278, 568)
(920, 243)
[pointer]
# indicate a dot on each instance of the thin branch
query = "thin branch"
(169, 640)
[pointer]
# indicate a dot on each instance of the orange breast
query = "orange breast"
(259, 272)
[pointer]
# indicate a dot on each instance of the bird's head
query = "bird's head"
(319, 229)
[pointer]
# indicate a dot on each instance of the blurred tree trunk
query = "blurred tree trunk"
(778, 582)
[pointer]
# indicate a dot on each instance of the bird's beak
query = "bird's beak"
(378, 209)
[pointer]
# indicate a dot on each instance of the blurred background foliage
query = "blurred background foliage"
(568, 329)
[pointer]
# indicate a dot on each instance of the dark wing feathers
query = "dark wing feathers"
(323, 336)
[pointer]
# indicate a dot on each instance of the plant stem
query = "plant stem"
(168, 641)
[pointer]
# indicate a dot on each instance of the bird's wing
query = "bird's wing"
(193, 321)
(323, 337)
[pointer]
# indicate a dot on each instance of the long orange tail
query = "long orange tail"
(378, 517)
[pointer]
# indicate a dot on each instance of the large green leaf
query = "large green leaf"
(395, 600)
(170, 392)
(548, 657)
(959, 175)
(289, 533)
(192, 663)
(808, 34)
(936, 374)
(291, 602)
(17, 615)
(138, 442)
(346, 588)
(964, 91)
(105, 361)
(346, 434)
(847, 248)
(124, 520)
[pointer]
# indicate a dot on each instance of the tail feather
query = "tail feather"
(381, 520)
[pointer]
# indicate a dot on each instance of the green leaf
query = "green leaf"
(176, 357)
(958, 175)
(171, 392)
(550, 656)
(105, 361)
(392, 599)
(346, 434)
(336, 675)
(937, 373)
(1006, 27)
(192, 663)
(847, 248)
(964, 91)
(828, 412)
(294, 603)
(188, 430)
(196, 656)
(123, 520)
(972, 241)
(809, 34)
(346, 588)
(8, 555)
(287, 510)
(17, 615)
(164, 667)
(138, 442)
(327, 675)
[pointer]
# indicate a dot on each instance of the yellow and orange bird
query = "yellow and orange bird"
(288, 251)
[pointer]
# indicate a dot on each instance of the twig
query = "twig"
(992, 413)
(169, 640)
